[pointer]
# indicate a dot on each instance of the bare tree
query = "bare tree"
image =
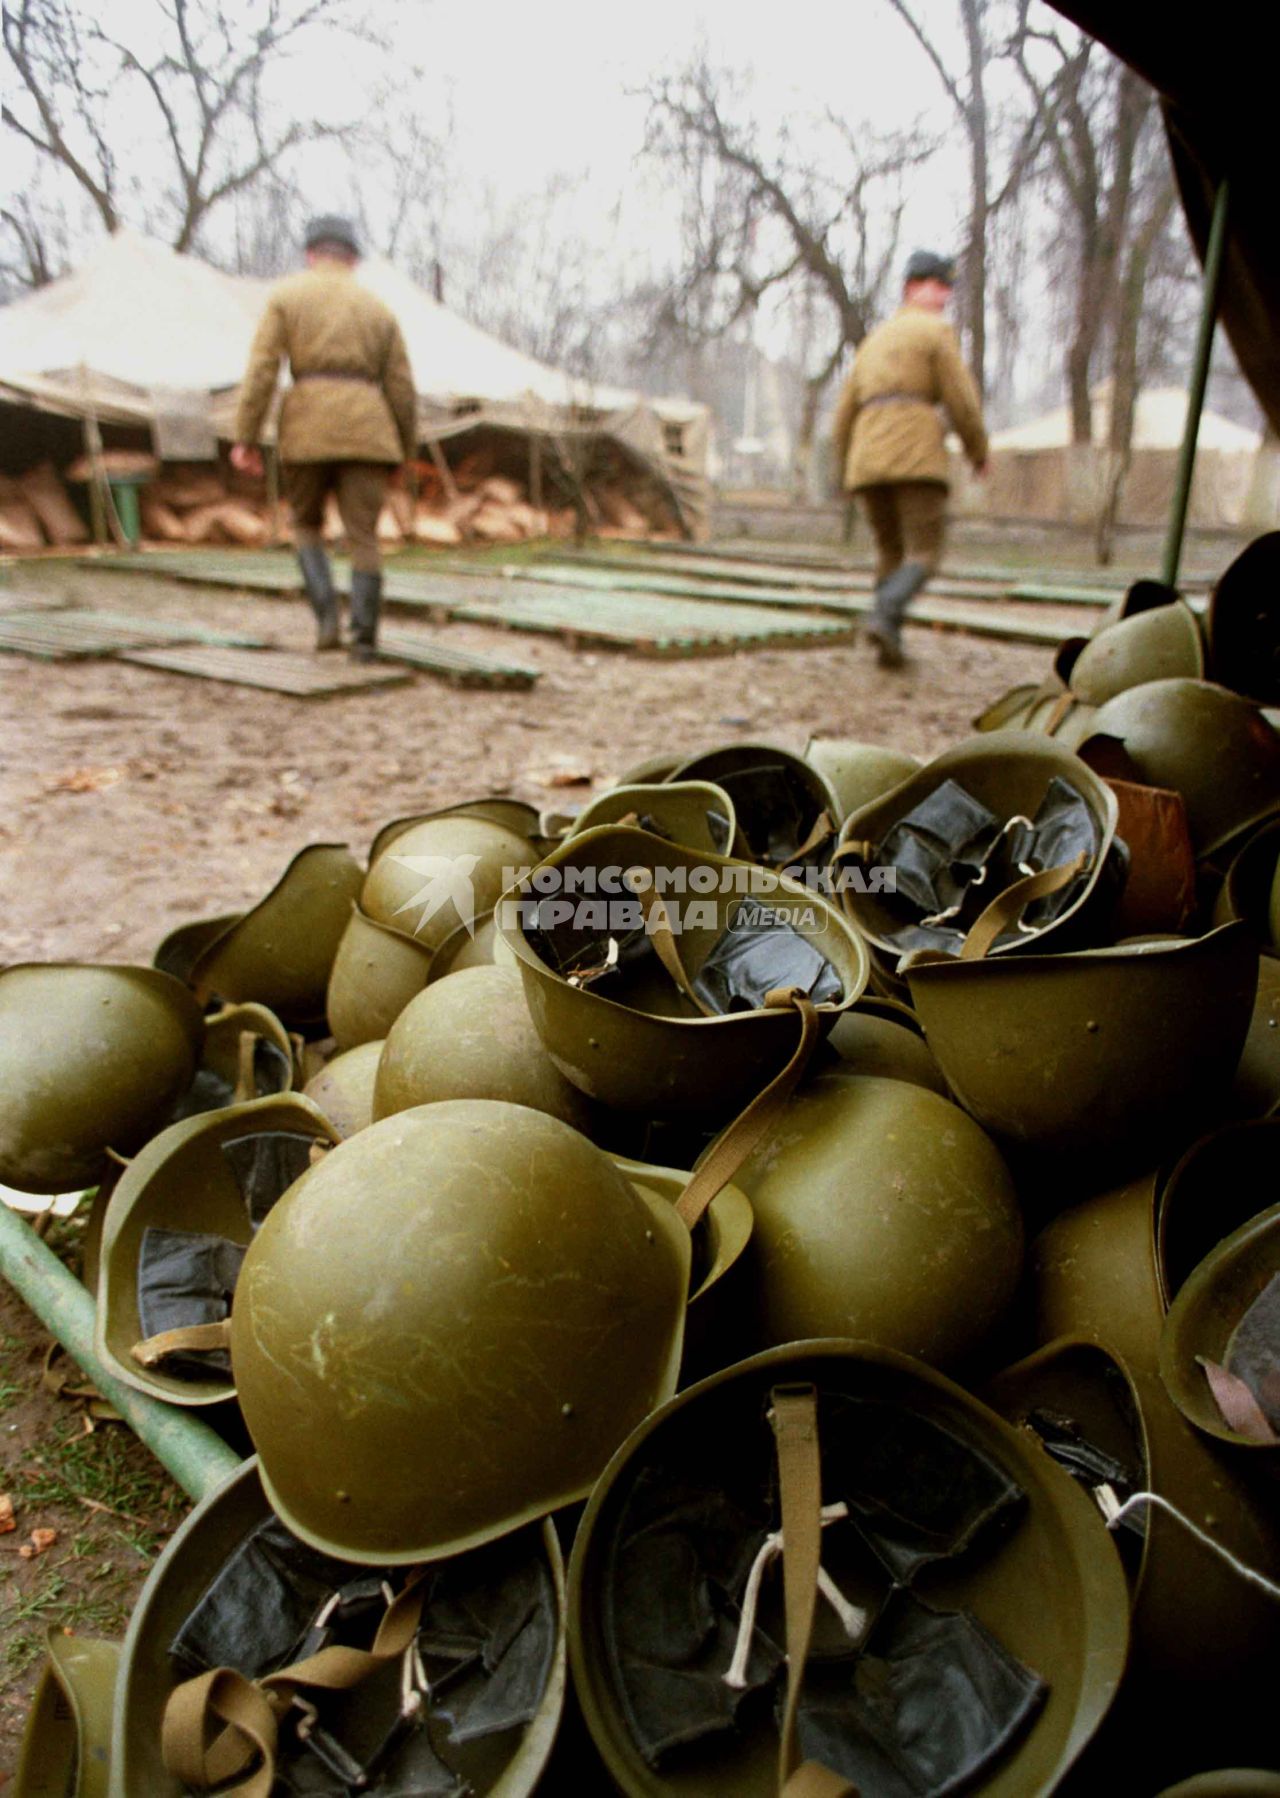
(203, 72)
(763, 214)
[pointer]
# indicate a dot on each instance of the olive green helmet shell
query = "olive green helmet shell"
(466, 946)
(1251, 887)
(1112, 1023)
(225, 1033)
(279, 954)
(1161, 644)
(486, 856)
(713, 1323)
(1226, 1782)
(728, 765)
(883, 1037)
(1092, 1273)
(856, 772)
(1075, 1633)
(1010, 710)
(652, 768)
(1213, 746)
(1256, 1088)
(881, 1211)
(91, 1059)
(697, 813)
(203, 1543)
(376, 972)
(1009, 772)
(66, 1745)
(667, 1059)
(1243, 638)
(470, 1036)
(512, 815)
(1198, 1633)
(444, 1329)
(343, 1088)
(1204, 1315)
(183, 947)
(182, 1181)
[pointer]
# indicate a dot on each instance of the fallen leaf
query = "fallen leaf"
(561, 774)
(41, 1541)
(84, 780)
(7, 1522)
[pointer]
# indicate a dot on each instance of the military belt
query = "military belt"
(334, 374)
(884, 399)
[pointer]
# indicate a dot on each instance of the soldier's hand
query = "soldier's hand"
(247, 458)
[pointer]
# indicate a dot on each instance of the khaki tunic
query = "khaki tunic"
(327, 324)
(880, 438)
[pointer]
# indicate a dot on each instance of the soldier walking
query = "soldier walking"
(889, 439)
(349, 418)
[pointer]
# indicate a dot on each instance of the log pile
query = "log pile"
(428, 503)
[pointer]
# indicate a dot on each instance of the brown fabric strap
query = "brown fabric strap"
(246, 1080)
(793, 1412)
(1240, 1409)
(251, 1711)
(1009, 904)
(732, 1148)
(194, 1338)
(813, 1780)
(658, 924)
(822, 829)
(336, 374)
(1058, 711)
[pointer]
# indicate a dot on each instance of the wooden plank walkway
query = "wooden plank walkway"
(657, 626)
(462, 667)
(60, 633)
(301, 676)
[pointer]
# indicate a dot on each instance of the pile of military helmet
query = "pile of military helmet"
(832, 1197)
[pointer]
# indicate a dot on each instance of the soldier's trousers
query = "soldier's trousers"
(358, 487)
(908, 521)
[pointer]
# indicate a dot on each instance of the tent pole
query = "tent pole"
(1195, 393)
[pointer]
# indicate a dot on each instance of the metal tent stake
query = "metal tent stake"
(1195, 394)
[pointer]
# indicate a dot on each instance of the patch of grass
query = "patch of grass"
(107, 1467)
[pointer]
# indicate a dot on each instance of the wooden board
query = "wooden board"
(275, 670)
(650, 626)
(462, 667)
(64, 633)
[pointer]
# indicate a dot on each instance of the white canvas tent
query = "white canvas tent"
(140, 335)
(1037, 472)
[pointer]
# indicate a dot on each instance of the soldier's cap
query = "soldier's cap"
(330, 227)
(926, 265)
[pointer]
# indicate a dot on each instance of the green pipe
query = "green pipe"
(198, 1459)
(1195, 396)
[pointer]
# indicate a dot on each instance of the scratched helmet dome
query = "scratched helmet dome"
(446, 1327)
(429, 875)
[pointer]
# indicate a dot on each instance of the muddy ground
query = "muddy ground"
(133, 800)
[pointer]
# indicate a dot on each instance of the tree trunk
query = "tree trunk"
(979, 209)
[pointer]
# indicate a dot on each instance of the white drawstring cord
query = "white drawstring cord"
(1115, 1514)
(852, 1616)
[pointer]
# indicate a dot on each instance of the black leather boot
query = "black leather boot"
(893, 595)
(366, 603)
(316, 574)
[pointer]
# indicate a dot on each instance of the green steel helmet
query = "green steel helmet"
(1211, 745)
(786, 811)
(884, 1037)
(182, 948)
(512, 815)
(471, 945)
(470, 1036)
(1220, 1350)
(881, 1211)
(176, 1228)
(66, 1744)
(1227, 1782)
(948, 1545)
(661, 766)
(343, 1089)
(1202, 1640)
(696, 813)
(1009, 712)
(446, 1328)
(713, 1333)
(476, 1709)
(616, 1019)
(1161, 644)
(1130, 1076)
(91, 1059)
(247, 1054)
(921, 864)
(1256, 1089)
(856, 772)
(376, 971)
(1251, 888)
(429, 875)
(1143, 595)
(1092, 1272)
(279, 953)
(1244, 641)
